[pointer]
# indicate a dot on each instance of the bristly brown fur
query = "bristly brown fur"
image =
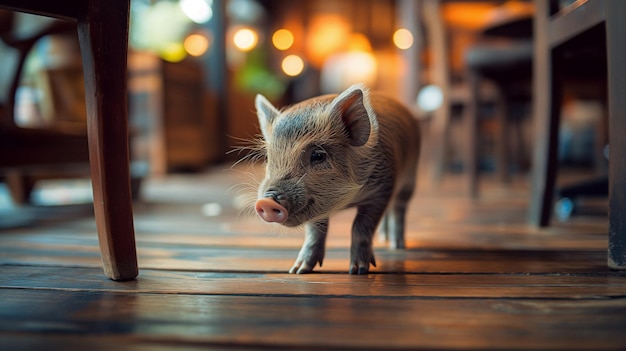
(253, 150)
(370, 144)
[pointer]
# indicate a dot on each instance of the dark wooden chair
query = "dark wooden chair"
(556, 29)
(30, 152)
(495, 73)
(103, 36)
(503, 56)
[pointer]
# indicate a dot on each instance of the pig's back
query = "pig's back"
(399, 134)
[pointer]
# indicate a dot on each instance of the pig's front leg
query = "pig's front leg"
(363, 228)
(313, 249)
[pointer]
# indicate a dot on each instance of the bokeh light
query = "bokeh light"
(327, 34)
(282, 39)
(403, 39)
(159, 28)
(199, 11)
(359, 42)
(292, 65)
(173, 52)
(430, 98)
(196, 44)
(245, 39)
(345, 69)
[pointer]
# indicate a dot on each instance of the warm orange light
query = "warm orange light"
(470, 15)
(403, 39)
(196, 44)
(282, 39)
(245, 39)
(292, 65)
(327, 35)
(359, 42)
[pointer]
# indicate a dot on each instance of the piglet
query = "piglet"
(332, 152)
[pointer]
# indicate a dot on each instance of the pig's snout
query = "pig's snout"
(270, 210)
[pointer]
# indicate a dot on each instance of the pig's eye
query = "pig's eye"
(318, 156)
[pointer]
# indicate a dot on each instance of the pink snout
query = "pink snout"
(270, 210)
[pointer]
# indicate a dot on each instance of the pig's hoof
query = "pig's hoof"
(308, 257)
(362, 266)
(303, 266)
(301, 269)
(359, 270)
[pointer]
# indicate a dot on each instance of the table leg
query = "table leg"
(616, 51)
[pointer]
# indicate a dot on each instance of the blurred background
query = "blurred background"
(195, 66)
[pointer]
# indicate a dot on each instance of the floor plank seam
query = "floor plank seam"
(324, 296)
(607, 273)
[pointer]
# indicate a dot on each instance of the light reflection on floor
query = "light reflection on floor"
(47, 193)
(62, 192)
(52, 193)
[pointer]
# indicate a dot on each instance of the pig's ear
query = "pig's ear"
(266, 113)
(355, 110)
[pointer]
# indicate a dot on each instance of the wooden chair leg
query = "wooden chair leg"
(502, 138)
(546, 114)
(472, 120)
(103, 35)
(20, 187)
(616, 52)
(440, 126)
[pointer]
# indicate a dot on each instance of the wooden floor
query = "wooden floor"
(474, 276)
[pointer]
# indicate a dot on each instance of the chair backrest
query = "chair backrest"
(23, 44)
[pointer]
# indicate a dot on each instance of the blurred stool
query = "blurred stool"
(503, 55)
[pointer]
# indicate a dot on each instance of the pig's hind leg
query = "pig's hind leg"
(392, 226)
(313, 248)
(396, 218)
(383, 229)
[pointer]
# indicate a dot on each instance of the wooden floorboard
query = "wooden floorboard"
(336, 261)
(319, 322)
(474, 276)
(396, 285)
